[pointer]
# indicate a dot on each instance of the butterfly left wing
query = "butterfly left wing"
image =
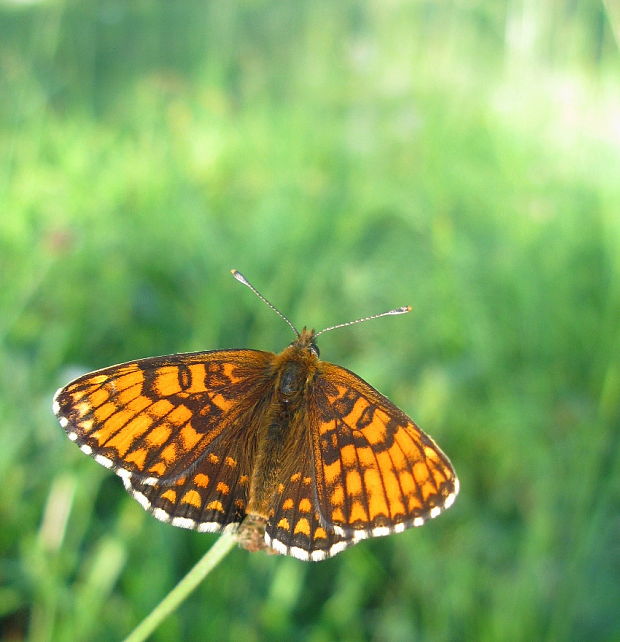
(376, 472)
(153, 419)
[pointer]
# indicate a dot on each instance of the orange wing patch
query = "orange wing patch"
(376, 471)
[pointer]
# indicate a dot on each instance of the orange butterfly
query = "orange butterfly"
(293, 454)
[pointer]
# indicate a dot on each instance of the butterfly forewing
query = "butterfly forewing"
(155, 418)
(376, 471)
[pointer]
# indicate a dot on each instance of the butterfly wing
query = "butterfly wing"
(154, 420)
(210, 498)
(375, 471)
(296, 527)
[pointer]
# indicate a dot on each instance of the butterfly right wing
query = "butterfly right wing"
(376, 472)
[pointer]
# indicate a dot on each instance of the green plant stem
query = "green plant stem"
(202, 568)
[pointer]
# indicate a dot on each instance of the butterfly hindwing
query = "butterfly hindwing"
(211, 497)
(296, 527)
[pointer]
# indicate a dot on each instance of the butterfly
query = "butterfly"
(292, 454)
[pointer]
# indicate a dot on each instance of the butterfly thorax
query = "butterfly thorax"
(281, 432)
(295, 367)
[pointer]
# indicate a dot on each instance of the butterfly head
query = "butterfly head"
(305, 341)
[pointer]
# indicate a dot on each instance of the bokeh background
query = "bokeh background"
(349, 157)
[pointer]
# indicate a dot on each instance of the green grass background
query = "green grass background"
(349, 157)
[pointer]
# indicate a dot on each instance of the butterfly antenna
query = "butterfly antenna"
(243, 280)
(402, 310)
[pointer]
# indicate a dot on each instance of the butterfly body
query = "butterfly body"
(291, 453)
(280, 435)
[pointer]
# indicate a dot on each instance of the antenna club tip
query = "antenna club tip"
(239, 276)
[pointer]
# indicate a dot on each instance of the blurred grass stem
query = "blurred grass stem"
(206, 564)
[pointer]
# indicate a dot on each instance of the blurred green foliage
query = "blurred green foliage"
(348, 157)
